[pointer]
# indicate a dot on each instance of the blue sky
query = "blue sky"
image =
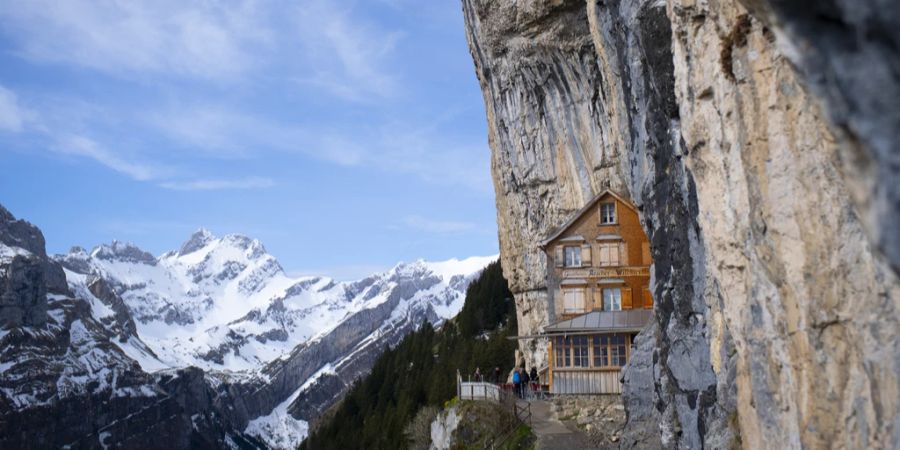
(346, 135)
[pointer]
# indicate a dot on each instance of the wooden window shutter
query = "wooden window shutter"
(645, 250)
(648, 298)
(598, 299)
(560, 257)
(604, 255)
(626, 298)
(586, 255)
(623, 254)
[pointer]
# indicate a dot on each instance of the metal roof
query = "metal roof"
(627, 320)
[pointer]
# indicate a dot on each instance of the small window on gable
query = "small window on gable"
(608, 213)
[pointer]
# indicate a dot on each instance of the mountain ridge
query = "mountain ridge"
(200, 322)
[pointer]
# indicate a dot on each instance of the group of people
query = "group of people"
(524, 381)
(495, 378)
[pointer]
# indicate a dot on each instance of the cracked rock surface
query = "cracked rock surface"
(758, 140)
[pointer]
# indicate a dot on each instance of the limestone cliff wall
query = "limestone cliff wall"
(762, 162)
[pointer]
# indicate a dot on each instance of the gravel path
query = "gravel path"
(553, 434)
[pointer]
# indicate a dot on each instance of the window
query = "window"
(609, 350)
(612, 299)
(574, 301)
(580, 356)
(601, 351)
(607, 213)
(571, 351)
(573, 256)
(617, 355)
(561, 349)
(609, 254)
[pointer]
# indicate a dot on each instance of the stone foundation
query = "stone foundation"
(602, 417)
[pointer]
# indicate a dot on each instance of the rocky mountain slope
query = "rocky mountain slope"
(124, 335)
(66, 381)
(757, 139)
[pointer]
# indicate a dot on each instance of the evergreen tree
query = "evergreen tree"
(421, 370)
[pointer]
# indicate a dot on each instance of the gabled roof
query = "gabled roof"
(565, 226)
(603, 321)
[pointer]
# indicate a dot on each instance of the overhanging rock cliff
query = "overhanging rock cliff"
(761, 156)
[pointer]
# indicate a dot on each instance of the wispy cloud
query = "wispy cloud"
(86, 147)
(324, 44)
(340, 51)
(422, 151)
(214, 185)
(220, 131)
(427, 225)
(215, 129)
(197, 39)
(348, 55)
(12, 117)
(429, 152)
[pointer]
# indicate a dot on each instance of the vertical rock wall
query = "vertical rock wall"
(812, 309)
(776, 319)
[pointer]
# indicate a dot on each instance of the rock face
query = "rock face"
(763, 163)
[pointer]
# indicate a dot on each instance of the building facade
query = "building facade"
(598, 282)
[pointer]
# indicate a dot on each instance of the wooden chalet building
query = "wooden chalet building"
(598, 283)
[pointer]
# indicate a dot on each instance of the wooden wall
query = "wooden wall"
(636, 254)
(586, 382)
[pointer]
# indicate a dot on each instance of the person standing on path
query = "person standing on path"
(497, 375)
(526, 386)
(517, 382)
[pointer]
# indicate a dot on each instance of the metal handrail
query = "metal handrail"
(505, 397)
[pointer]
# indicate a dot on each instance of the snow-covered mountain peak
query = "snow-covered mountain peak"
(443, 269)
(253, 247)
(231, 247)
(117, 327)
(122, 252)
(77, 250)
(224, 302)
(198, 240)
